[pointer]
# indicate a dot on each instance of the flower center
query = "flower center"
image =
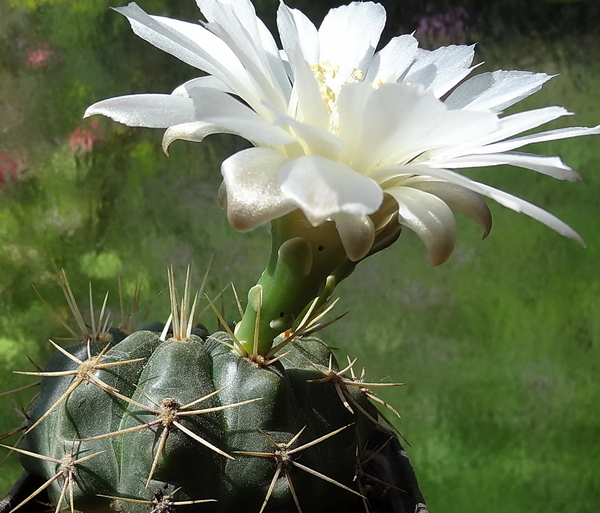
(330, 83)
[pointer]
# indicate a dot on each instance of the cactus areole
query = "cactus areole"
(190, 424)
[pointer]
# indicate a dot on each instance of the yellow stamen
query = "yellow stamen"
(326, 74)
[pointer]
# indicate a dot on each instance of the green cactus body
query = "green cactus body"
(171, 375)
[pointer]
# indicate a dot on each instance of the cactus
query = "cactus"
(169, 416)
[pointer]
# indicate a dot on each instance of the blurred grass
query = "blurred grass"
(499, 347)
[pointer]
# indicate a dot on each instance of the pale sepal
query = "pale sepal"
(251, 180)
(506, 200)
(458, 199)
(430, 218)
(357, 234)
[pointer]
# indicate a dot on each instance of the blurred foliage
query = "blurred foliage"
(500, 346)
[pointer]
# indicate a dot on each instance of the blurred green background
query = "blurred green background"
(500, 346)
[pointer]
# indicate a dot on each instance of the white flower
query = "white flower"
(338, 127)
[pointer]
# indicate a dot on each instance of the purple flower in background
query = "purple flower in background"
(442, 28)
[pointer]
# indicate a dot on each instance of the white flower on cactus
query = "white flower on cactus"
(337, 126)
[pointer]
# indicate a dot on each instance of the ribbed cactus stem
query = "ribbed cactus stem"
(302, 257)
(169, 416)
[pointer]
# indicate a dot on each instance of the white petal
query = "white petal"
(401, 121)
(457, 198)
(352, 104)
(310, 105)
(495, 90)
(214, 10)
(517, 123)
(207, 81)
(254, 196)
(393, 60)
(503, 198)
(235, 23)
(191, 44)
(218, 108)
(238, 22)
(441, 69)
(395, 117)
(195, 131)
(551, 166)
(550, 135)
(296, 30)
(456, 127)
(172, 41)
(357, 234)
(274, 60)
(317, 141)
(301, 45)
(323, 188)
(430, 218)
(507, 127)
(148, 110)
(349, 35)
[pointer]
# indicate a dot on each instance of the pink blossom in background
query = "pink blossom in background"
(39, 57)
(10, 166)
(86, 136)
